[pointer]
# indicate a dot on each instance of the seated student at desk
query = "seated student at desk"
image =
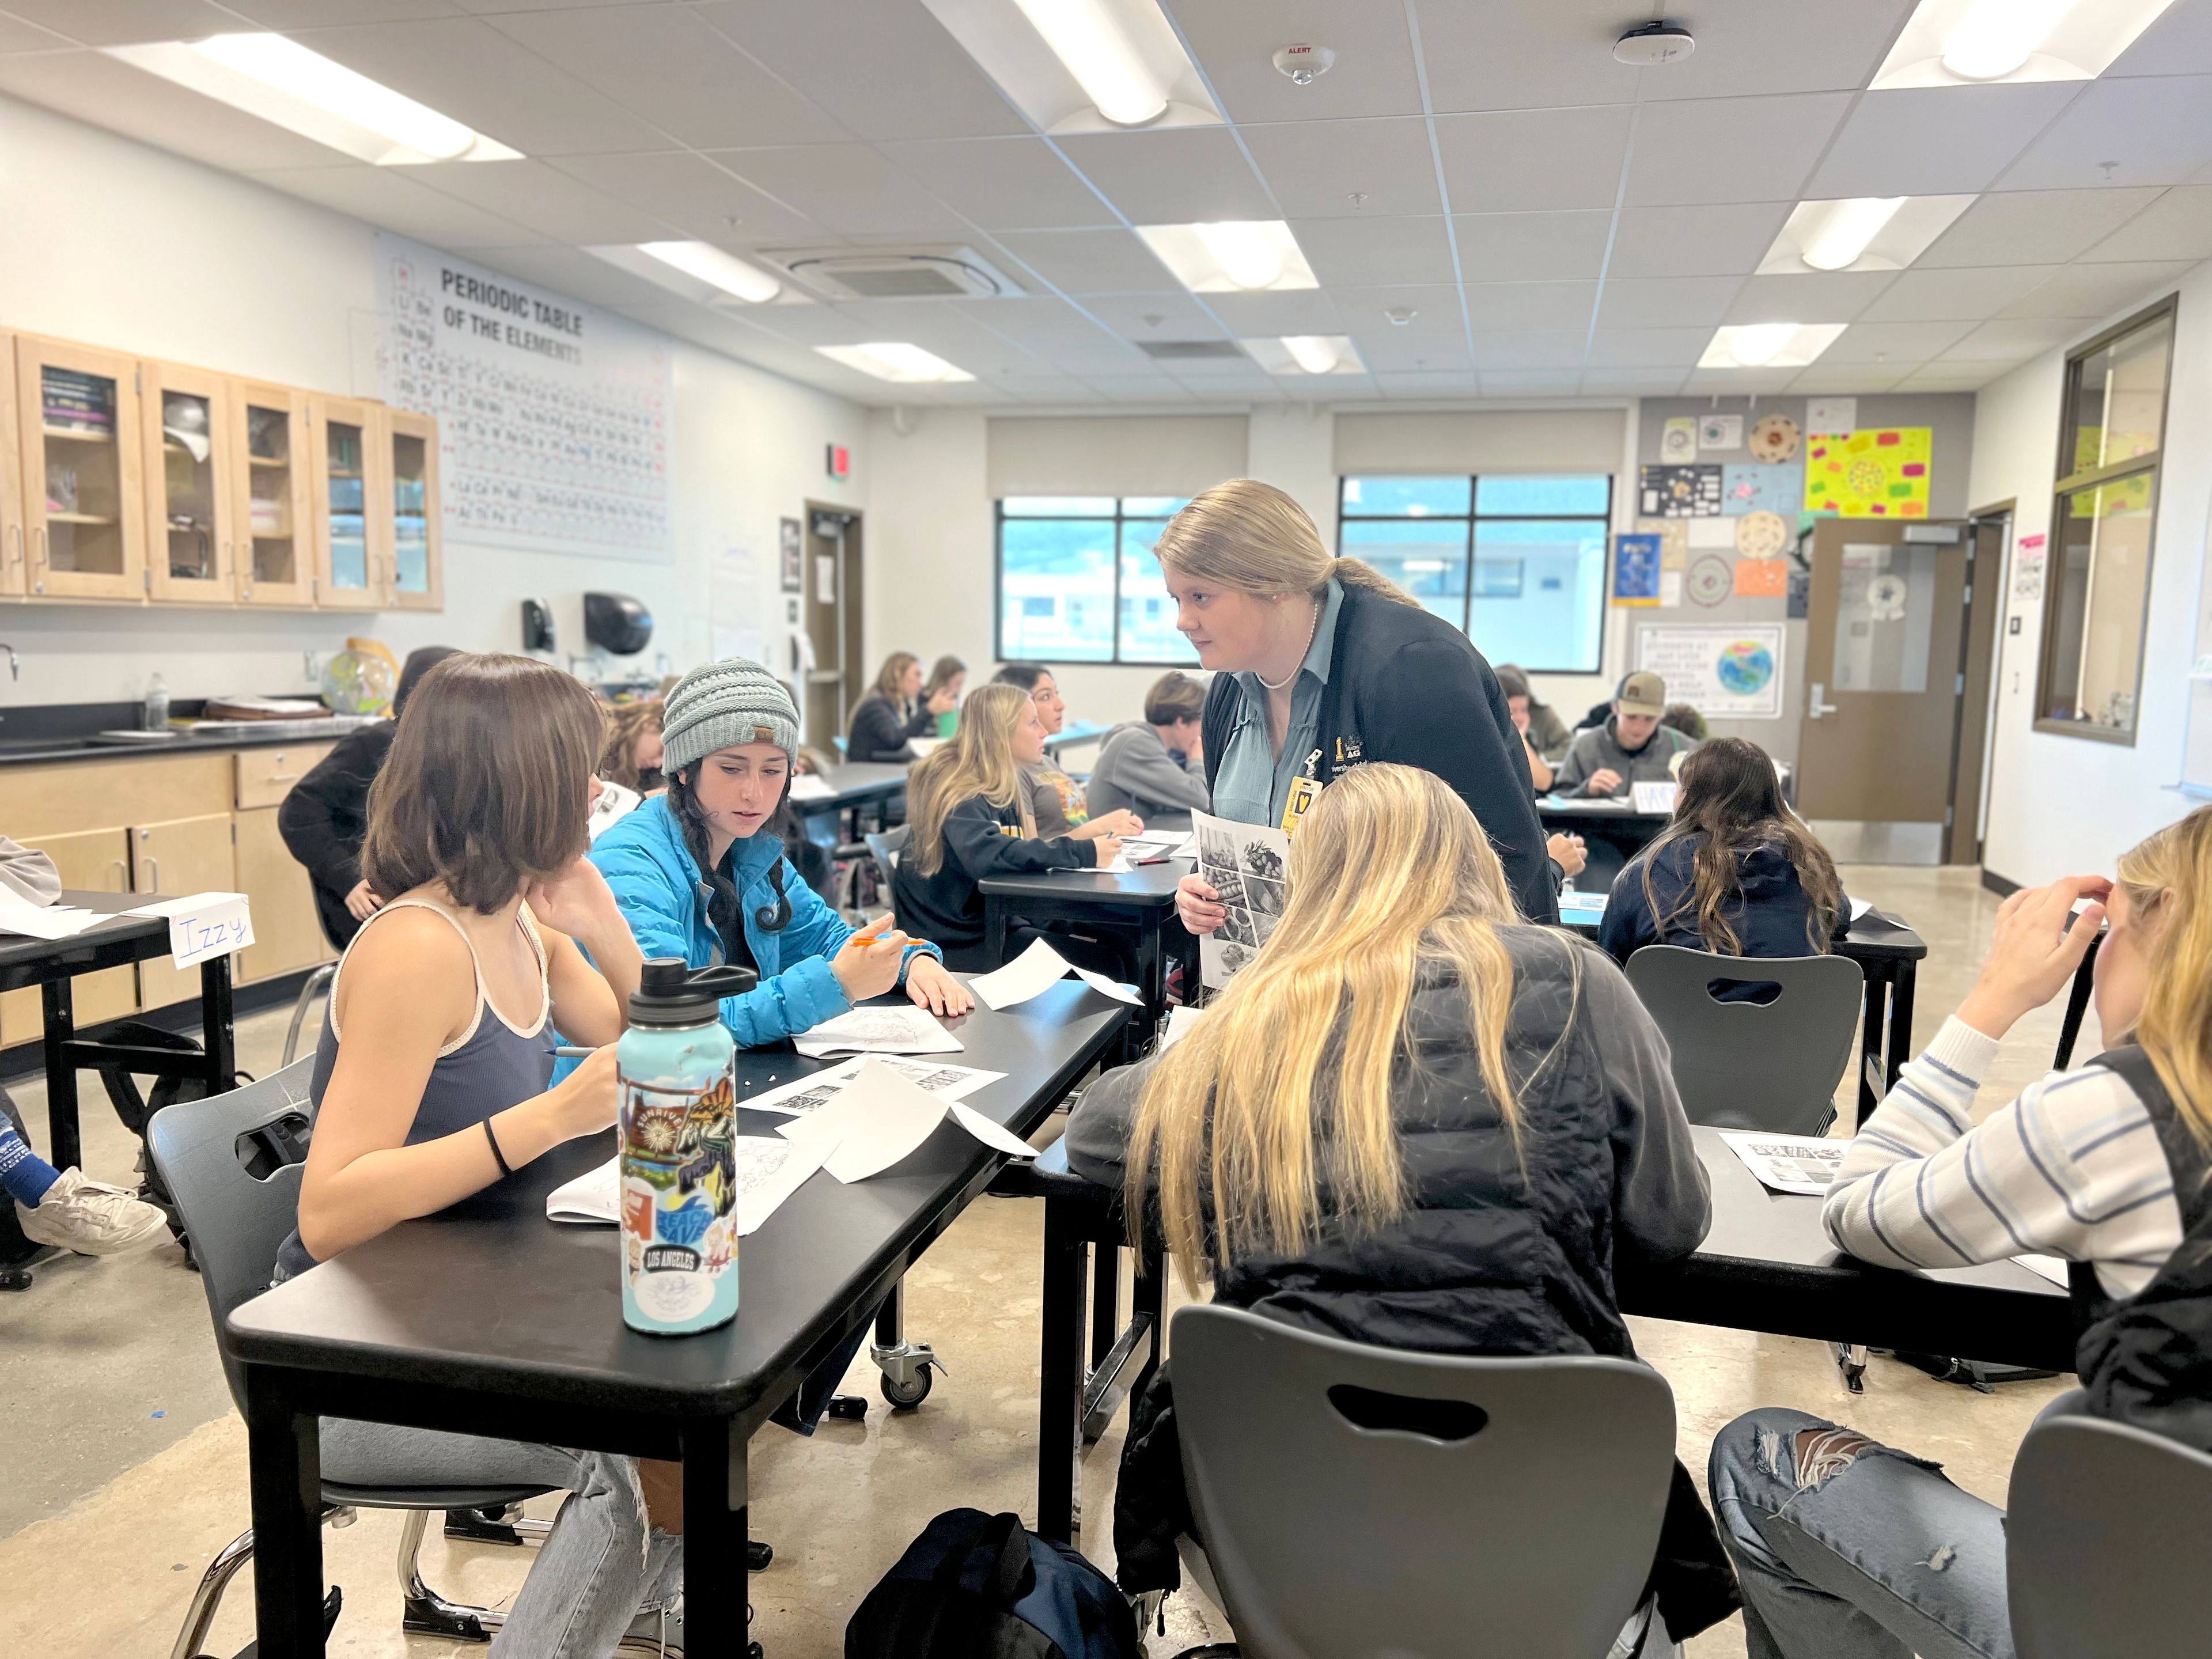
(1736, 872)
(1055, 798)
(948, 678)
(893, 711)
(2106, 1166)
(431, 1083)
(701, 873)
(1413, 1121)
(1632, 747)
(971, 818)
(1157, 764)
(1538, 720)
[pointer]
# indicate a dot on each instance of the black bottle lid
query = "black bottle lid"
(670, 994)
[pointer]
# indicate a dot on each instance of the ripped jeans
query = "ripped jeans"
(1850, 1550)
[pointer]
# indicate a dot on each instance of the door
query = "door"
(1882, 645)
(184, 855)
(833, 620)
(1988, 535)
(352, 503)
(14, 555)
(418, 560)
(286, 933)
(84, 510)
(88, 860)
(185, 437)
(270, 478)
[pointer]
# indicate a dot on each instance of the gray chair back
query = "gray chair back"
(236, 1220)
(884, 847)
(1362, 1500)
(2106, 1534)
(1747, 1065)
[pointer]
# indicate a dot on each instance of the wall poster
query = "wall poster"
(1729, 670)
(793, 574)
(1881, 473)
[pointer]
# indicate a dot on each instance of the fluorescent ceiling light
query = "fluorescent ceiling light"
(1247, 256)
(711, 266)
(1090, 42)
(1861, 233)
(1083, 65)
(1305, 353)
(1846, 228)
(896, 359)
(1768, 345)
(283, 82)
(1317, 354)
(1951, 43)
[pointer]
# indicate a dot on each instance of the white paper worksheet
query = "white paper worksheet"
(1035, 971)
(815, 1091)
(882, 1117)
(1247, 864)
(1789, 1163)
(768, 1172)
(889, 1030)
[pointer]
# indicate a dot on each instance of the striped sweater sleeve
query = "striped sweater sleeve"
(2073, 1168)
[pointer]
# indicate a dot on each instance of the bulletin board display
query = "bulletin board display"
(1881, 473)
(555, 419)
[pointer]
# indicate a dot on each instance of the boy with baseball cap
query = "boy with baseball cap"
(1632, 746)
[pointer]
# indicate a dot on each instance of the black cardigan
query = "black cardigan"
(1406, 687)
(879, 731)
(324, 820)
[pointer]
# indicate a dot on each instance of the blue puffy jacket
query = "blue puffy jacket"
(664, 898)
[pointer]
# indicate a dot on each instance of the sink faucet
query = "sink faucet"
(15, 663)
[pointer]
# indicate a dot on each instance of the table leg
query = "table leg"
(1146, 1295)
(715, 1537)
(994, 930)
(1869, 1055)
(1105, 1300)
(65, 1145)
(1151, 974)
(1059, 1379)
(1900, 1022)
(284, 1462)
(218, 1026)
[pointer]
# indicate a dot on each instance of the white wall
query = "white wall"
(2061, 805)
(118, 245)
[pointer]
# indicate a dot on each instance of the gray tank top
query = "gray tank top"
(489, 1067)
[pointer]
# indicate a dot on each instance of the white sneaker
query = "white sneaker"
(91, 1217)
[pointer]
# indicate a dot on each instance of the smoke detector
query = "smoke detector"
(1305, 64)
(1652, 44)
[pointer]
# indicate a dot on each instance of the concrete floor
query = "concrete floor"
(126, 1465)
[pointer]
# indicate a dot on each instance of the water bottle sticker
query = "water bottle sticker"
(679, 1197)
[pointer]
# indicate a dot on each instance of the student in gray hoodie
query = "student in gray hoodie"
(1632, 747)
(1157, 764)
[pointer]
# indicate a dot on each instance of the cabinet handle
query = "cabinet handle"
(283, 777)
(39, 586)
(153, 871)
(122, 876)
(18, 529)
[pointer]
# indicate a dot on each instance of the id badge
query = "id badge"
(1299, 802)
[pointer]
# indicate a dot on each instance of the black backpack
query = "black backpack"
(137, 1111)
(977, 1586)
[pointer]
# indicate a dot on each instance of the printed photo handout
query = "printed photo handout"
(1246, 864)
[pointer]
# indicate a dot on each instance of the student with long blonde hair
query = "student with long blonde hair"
(1413, 1121)
(971, 817)
(2110, 1166)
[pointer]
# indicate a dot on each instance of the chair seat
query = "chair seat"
(429, 1497)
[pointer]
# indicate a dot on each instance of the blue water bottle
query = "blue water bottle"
(676, 1066)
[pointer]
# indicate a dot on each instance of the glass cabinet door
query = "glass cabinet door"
(187, 496)
(83, 508)
(275, 564)
(352, 501)
(417, 572)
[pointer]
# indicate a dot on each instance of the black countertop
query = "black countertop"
(45, 733)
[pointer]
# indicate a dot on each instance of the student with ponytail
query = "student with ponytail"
(2109, 1166)
(700, 871)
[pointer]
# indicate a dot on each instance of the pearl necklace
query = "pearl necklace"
(1311, 629)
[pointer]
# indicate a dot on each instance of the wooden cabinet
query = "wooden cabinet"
(96, 860)
(352, 503)
(171, 859)
(286, 933)
(186, 434)
(15, 556)
(418, 563)
(272, 480)
(84, 501)
(265, 777)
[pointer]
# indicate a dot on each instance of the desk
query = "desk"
(1073, 734)
(854, 785)
(1139, 906)
(51, 964)
(1613, 832)
(522, 1336)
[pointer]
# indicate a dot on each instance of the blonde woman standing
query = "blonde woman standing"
(1322, 663)
(1414, 1121)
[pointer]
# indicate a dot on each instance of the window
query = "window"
(1516, 562)
(2097, 586)
(1077, 581)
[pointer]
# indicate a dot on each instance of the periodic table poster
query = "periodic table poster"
(554, 418)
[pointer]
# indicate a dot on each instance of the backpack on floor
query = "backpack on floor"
(976, 1586)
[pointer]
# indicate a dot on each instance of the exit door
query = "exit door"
(1884, 689)
(833, 621)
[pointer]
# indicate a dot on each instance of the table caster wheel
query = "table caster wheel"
(905, 1396)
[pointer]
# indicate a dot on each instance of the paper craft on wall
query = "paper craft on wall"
(1670, 589)
(1831, 416)
(2028, 569)
(1773, 440)
(1731, 671)
(1720, 432)
(1678, 439)
(1635, 569)
(1761, 579)
(1761, 535)
(1879, 474)
(1763, 489)
(1708, 581)
(1674, 540)
(1679, 492)
(1712, 535)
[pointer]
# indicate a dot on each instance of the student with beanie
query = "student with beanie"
(1157, 764)
(700, 871)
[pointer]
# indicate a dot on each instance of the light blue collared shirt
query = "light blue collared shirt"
(1253, 783)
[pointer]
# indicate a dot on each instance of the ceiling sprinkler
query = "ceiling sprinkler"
(1305, 64)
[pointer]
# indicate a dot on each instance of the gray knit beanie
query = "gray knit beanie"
(721, 705)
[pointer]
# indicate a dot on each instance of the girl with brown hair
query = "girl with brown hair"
(894, 710)
(632, 752)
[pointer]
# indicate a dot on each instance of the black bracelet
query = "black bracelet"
(500, 1157)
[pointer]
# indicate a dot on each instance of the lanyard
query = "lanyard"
(1304, 788)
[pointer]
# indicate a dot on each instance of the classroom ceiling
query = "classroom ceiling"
(1556, 224)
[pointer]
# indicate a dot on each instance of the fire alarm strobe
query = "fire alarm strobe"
(1654, 43)
(1305, 64)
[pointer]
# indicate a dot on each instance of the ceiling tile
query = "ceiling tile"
(1846, 379)
(1537, 348)
(581, 275)
(1498, 307)
(391, 197)
(1753, 46)
(1935, 141)
(907, 78)
(1234, 41)
(1538, 247)
(1899, 344)
(1402, 351)
(2158, 131)
(1186, 175)
(1315, 167)
(310, 14)
(2178, 43)
(1820, 296)
(1522, 160)
(1952, 377)
(1091, 261)
(1155, 317)
(2177, 225)
(1522, 57)
(1968, 295)
(1368, 250)
(850, 188)
(1646, 348)
(110, 93)
(552, 204)
(2026, 227)
(665, 64)
(1665, 301)
(1415, 387)
(1309, 311)
(689, 190)
(1004, 184)
(15, 36)
(2097, 290)
(125, 22)
(469, 70)
(1631, 383)
(1436, 309)
(1738, 382)
(1530, 382)
(2013, 339)
(1037, 321)
(1730, 149)
(1695, 241)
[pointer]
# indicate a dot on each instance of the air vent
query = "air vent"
(904, 273)
(1188, 348)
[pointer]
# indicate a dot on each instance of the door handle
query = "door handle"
(1816, 703)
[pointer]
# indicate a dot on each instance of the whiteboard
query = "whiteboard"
(554, 418)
